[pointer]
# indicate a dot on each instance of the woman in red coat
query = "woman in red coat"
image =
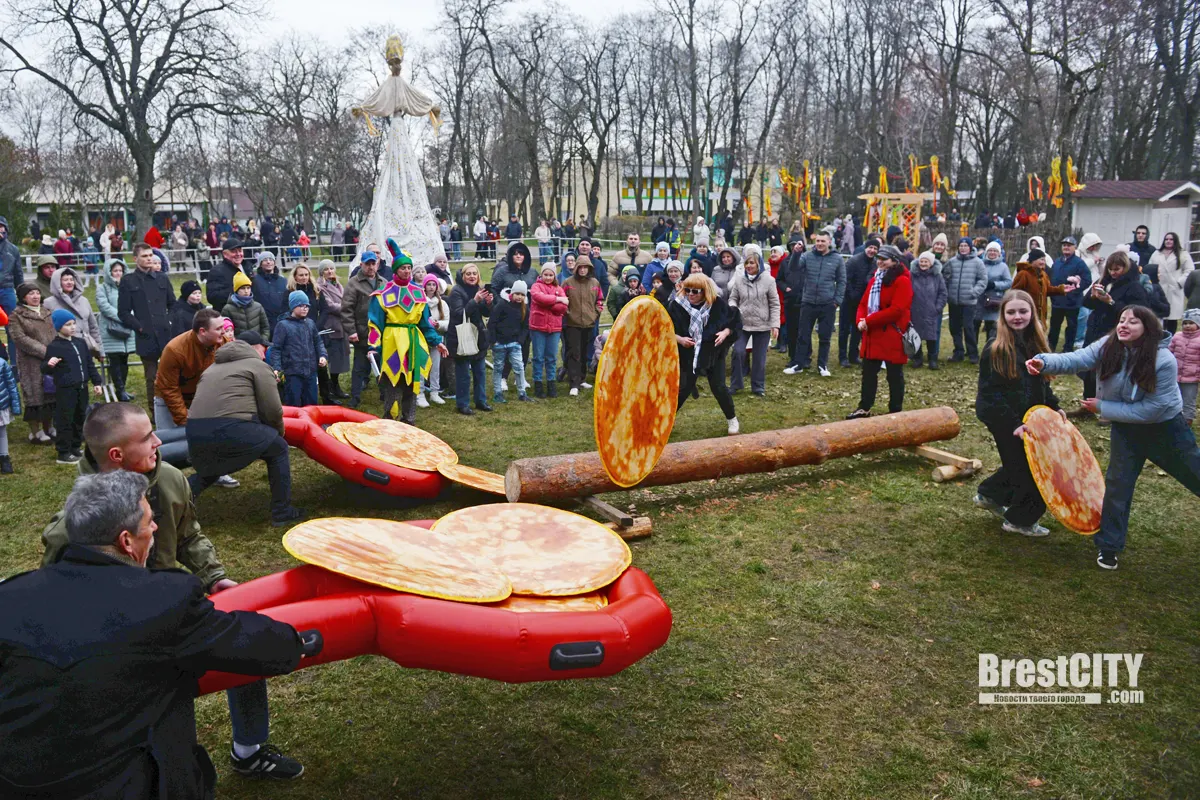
(883, 313)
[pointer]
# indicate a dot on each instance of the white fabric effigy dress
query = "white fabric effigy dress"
(400, 205)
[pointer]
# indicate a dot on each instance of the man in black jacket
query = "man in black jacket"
(791, 283)
(100, 659)
(144, 302)
(859, 269)
(220, 277)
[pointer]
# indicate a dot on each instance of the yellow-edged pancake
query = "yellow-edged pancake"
(1065, 470)
(479, 479)
(400, 444)
(581, 602)
(637, 386)
(543, 551)
(338, 431)
(399, 556)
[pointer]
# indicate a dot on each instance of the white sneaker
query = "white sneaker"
(504, 384)
(436, 397)
(825, 373)
(574, 393)
(585, 385)
(1034, 531)
(227, 482)
(792, 370)
(734, 427)
(421, 401)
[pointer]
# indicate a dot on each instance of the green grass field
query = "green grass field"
(827, 626)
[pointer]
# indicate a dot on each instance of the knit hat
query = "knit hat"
(47, 240)
(399, 257)
(519, 287)
(993, 247)
(26, 288)
(941, 237)
(61, 317)
(662, 246)
(752, 248)
(263, 255)
(46, 260)
(701, 240)
(297, 298)
(1192, 315)
(1034, 255)
(968, 240)
(187, 288)
(325, 262)
(252, 338)
(240, 280)
(873, 240)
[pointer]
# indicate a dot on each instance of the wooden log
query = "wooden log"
(943, 457)
(640, 529)
(580, 474)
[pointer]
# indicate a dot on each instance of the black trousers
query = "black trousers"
(222, 446)
(870, 384)
(1012, 485)
(1057, 316)
(576, 346)
(849, 336)
(118, 370)
(150, 367)
(70, 407)
(792, 313)
(716, 383)
(823, 317)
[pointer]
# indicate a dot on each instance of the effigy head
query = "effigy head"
(394, 49)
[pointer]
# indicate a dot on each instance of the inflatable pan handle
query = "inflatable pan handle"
(378, 477)
(576, 655)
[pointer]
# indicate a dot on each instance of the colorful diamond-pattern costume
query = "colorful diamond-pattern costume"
(399, 330)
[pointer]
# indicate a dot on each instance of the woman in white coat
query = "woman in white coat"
(1174, 265)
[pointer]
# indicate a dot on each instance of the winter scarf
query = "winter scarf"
(239, 301)
(699, 318)
(876, 290)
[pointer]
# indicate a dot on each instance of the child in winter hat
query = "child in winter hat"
(1185, 346)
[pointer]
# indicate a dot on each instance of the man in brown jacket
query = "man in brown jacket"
(236, 419)
(356, 301)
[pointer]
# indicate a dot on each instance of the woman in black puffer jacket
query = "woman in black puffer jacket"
(469, 302)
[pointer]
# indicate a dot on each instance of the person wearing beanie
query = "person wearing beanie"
(999, 279)
(191, 300)
(70, 364)
(246, 313)
(46, 266)
(30, 331)
(400, 334)
(1032, 277)
(1185, 346)
(508, 329)
(547, 307)
(621, 293)
(270, 289)
(297, 352)
(657, 266)
(439, 318)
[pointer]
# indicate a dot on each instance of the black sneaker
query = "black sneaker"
(267, 762)
(77, 453)
(292, 515)
(68, 459)
(1106, 559)
(465, 411)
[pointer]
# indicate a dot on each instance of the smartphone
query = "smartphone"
(487, 287)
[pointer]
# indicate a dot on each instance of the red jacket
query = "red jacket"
(775, 262)
(154, 237)
(882, 339)
(545, 311)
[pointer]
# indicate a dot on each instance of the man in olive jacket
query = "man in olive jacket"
(119, 437)
(356, 301)
(100, 658)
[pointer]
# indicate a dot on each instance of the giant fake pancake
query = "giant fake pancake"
(542, 550)
(637, 385)
(524, 603)
(399, 556)
(479, 479)
(1064, 469)
(400, 444)
(338, 431)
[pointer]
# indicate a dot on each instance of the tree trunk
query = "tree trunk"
(581, 474)
(143, 198)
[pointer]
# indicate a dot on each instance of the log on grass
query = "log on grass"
(580, 474)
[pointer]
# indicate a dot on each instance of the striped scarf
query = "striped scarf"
(876, 288)
(699, 318)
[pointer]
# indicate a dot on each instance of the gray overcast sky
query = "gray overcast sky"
(330, 20)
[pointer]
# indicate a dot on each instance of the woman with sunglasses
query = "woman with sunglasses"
(705, 328)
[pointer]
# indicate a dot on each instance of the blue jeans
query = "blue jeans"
(823, 316)
(248, 713)
(545, 354)
(1171, 445)
(300, 390)
(466, 368)
(545, 251)
(507, 354)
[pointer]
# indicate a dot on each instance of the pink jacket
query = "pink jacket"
(1186, 350)
(546, 310)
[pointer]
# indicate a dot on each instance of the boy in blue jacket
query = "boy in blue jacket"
(296, 353)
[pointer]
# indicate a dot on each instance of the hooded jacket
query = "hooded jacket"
(238, 385)
(1095, 264)
(929, 298)
(1037, 283)
(250, 318)
(178, 539)
(1121, 400)
(30, 330)
(722, 275)
(583, 294)
(790, 281)
(271, 291)
(966, 278)
(509, 323)
(707, 260)
(87, 326)
(1145, 251)
(618, 295)
(756, 299)
(999, 281)
(507, 273)
(1173, 271)
(657, 266)
(11, 274)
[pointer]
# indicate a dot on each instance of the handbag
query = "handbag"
(117, 330)
(910, 339)
(468, 338)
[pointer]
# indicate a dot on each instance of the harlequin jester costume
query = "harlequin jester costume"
(400, 333)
